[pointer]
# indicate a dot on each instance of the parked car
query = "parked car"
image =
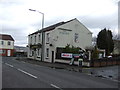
(109, 56)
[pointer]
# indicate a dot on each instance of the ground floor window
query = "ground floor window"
(2, 51)
(38, 52)
(47, 52)
(30, 52)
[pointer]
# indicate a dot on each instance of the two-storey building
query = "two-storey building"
(6, 45)
(71, 32)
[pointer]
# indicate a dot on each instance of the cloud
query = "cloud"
(17, 20)
(108, 21)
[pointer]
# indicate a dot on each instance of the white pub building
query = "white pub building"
(71, 32)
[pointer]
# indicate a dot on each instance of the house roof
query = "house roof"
(52, 27)
(6, 37)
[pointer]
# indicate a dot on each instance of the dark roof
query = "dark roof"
(52, 27)
(6, 37)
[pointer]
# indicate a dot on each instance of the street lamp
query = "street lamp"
(42, 16)
(43, 34)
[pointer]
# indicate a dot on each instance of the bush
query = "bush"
(95, 53)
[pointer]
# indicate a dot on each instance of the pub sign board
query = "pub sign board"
(66, 55)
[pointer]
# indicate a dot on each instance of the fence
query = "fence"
(105, 62)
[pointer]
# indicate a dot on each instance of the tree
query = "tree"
(95, 53)
(74, 50)
(105, 41)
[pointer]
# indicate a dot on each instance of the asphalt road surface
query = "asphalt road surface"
(19, 74)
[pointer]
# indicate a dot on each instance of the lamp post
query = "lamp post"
(43, 34)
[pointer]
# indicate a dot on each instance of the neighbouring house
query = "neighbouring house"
(116, 47)
(6, 45)
(71, 32)
(20, 51)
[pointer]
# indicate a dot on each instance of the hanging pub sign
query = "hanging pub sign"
(66, 55)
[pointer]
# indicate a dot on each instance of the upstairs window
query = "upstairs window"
(35, 39)
(31, 40)
(76, 38)
(39, 38)
(48, 37)
(2, 42)
(9, 43)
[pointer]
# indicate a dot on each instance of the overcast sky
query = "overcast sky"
(18, 21)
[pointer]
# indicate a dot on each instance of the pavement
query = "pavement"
(110, 72)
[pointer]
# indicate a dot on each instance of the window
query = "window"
(47, 52)
(2, 42)
(48, 37)
(76, 37)
(9, 43)
(39, 37)
(31, 40)
(32, 53)
(2, 51)
(35, 39)
(38, 52)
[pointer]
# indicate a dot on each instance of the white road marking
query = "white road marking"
(9, 65)
(90, 74)
(55, 86)
(27, 73)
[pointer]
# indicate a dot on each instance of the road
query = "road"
(19, 74)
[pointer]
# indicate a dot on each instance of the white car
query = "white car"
(109, 56)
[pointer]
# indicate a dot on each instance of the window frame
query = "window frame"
(39, 37)
(48, 37)
(35, 38)
(76, 37)
(47, 52)
(2, 42)
(9, 43)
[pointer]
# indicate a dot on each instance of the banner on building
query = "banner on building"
(66, 55)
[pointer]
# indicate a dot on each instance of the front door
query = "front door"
(52, 56)
(8, 52)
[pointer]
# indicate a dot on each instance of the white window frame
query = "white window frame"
(76, 37)
(31, 39)
(9, 43)
(48, 37)
(47, 52)
(35, 39)
(39, 38)
(2, 51)
(2, 42)
(39, 52)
